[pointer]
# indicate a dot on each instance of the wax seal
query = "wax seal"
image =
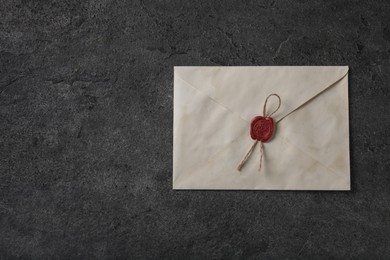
(262, 128)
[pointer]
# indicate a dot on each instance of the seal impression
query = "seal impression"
(262, 128)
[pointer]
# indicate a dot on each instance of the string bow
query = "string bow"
(262, 129)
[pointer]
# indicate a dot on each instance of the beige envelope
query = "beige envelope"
(213, 107)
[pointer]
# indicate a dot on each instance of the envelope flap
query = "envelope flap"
(244, 89)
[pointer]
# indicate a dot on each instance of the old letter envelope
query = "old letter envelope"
(213, 109)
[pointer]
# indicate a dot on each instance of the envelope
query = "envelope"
(213, 108)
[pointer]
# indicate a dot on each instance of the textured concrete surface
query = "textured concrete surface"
(86, 129)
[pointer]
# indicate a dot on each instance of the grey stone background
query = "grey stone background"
(86, 129)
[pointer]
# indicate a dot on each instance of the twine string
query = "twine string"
(261, 154)
(247, 155)
(250, 151)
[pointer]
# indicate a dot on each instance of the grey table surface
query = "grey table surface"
(86, 129)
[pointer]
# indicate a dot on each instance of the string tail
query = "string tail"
(261, 155)
(246, 157)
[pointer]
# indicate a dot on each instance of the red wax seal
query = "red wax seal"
(262, 128)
